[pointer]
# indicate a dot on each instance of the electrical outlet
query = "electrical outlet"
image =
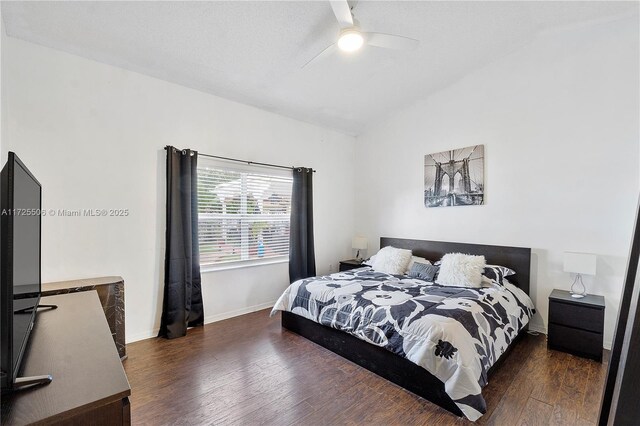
(331, 267)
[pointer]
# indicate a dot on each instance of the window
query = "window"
(243, 213)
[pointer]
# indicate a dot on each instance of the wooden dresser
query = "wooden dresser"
(111, 294)
(74, 345)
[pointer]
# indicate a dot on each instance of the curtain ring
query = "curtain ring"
(184, 151)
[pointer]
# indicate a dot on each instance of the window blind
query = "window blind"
(243, 212)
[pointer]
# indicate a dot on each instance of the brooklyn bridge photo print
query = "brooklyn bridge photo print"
(454, 178)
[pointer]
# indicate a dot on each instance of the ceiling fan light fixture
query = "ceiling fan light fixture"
(350, 40)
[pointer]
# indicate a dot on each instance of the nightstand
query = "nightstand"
(345, 265)
(576, 326)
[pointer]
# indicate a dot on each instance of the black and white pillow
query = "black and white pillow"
(424, 271)
(415, 259)
(496, 273)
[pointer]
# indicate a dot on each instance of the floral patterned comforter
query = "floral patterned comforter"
(455, 333)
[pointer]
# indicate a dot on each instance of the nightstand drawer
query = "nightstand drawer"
(582, 317)
(577, 342)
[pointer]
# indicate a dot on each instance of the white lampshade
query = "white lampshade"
(359, 243)
(580, 263)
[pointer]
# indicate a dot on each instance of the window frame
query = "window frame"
(244, 170)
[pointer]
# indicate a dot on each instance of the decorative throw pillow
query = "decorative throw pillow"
(415, 259)
(497, 273)
(391, 260)
(369, 261)
(424, 271)
(461, 270)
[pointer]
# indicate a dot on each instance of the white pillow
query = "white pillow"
(415, 259)
(369, 261)
(391, 260)
(461, 270)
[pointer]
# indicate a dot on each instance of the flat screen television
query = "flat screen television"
(20, 228)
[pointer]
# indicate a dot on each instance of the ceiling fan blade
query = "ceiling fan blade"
(343, 13)
(320, 56)
(390, 41)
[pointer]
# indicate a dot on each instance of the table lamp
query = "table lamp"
(359, 243)
(579, 264)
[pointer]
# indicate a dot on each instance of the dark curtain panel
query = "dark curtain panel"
(302, 259)
(182, 305)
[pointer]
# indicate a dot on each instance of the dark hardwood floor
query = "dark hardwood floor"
(247, 370)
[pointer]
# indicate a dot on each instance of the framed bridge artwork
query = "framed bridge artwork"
(455, 177)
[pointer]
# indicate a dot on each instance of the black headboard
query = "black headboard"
(516, 258)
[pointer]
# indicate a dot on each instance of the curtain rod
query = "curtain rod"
(246, 161)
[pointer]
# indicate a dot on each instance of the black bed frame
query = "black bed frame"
(391, 366)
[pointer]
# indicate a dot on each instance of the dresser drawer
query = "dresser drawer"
(577, 342)
(582, 317)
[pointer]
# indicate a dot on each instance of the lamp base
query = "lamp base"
(578, 285)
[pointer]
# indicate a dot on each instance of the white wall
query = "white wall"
(94, 136)
(559, 121)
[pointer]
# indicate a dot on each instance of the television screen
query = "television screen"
(21, 203)
(26, 253)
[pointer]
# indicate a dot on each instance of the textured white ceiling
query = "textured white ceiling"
(252, 52)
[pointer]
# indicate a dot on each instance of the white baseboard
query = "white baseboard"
(142, 336)
(207, 320)
(538, 328)
(238, 312)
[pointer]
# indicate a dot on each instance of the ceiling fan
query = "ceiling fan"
(351, 38)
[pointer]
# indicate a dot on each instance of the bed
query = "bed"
(442, 343)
